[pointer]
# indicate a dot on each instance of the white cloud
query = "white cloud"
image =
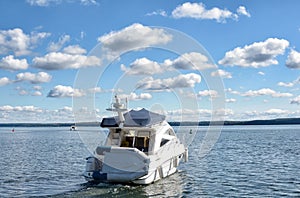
(198, 11)
(230, 100)
(54, 47)
(189, 114)
(296, 100)
(133, 37)
(267, 114)
(243, 11)
(4, 81)
(261, 73)
(187, 61)
(29, 108)
(42, 3)
(180, 81)
(134, 96)
(143, 66)
(12, 64)
(266, 92)
(37, 87)
(275, 111)
(33, 114)
(283, 84)
(37, 93)
(61, 91)
(74, 49)
(192, 60)
(258, 54)
(23, 92)
(88, 2)
(17, 42)
(208, 93)
(221, 73)
(293, 60)
(45, 3)
(158, 12)
(41, 77)
(289, 84)
(58, 60)
(229, 90)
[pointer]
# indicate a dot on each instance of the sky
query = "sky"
(191, 60)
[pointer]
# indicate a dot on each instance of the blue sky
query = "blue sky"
(254, 45)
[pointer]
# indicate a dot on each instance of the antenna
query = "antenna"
(118, 107)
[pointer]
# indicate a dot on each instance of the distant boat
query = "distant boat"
(141, 148)
(73, 128)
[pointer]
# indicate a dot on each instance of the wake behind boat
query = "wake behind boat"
(141, 148)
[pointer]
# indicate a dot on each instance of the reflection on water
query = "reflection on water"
(247, 161)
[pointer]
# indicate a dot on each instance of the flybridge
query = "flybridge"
(133, 118)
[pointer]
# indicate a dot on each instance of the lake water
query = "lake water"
(246, 161)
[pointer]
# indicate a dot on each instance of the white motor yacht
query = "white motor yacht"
(141, 148)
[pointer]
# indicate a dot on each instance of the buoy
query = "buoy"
(13, 130)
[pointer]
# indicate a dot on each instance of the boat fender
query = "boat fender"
(160, 171)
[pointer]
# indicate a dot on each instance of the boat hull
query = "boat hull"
(129, 165)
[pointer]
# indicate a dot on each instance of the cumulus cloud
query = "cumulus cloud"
(180, 81)
(17, 42)
(4, 81)
(37, 93)
(12, 64)
(266, 92)
(33, 114)
(267, 114)
(143, 66)
(133, 96)
(229, 90)
(208, 93)
(293, 60)
(283, 84)
(221, 73)
(243, 11)
(61, 91)
(187, 61)
(289, 84)
(58, 60)
(133, 37)
(54, 47)
(74, 49)
(230, 100)
(29, 108)
(198, 11)
(41, 77)
(190, 61)
(296, 100)
(258, 54)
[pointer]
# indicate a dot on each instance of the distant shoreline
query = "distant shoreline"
(279, 121)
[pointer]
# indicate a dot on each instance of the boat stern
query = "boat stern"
(116, 164)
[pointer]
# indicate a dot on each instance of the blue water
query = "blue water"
(246, 161)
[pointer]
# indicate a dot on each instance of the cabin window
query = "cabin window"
(163, 142)
(139, 141)
(142, 143)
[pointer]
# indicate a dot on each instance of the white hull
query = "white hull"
(129, 165)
